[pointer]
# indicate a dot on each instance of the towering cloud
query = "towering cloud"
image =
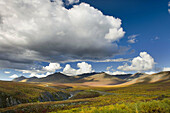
(41, 30)
(143, 62)
(52, 67)
(83, 68)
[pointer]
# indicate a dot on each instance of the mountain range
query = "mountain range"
(98, 78)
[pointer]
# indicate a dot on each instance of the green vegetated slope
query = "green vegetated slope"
(86, 94)
(159, 106)
(137, 98)
(13, 93)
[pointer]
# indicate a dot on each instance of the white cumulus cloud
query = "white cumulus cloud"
(83, 68)
(143, 62)
(166, 69)
(52, 67)
(40, 75)
(13, 76)
(150, 72)
(115, 73)
(43, 71)
(41, 30)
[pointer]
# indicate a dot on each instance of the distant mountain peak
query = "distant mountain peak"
(57, 74)
(98, 78)
(34, 77)
(19, 78)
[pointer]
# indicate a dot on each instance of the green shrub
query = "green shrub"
(140, 107)
(86, 94)
(154, 107)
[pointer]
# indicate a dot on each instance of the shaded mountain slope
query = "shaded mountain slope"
(100, 78)
(103, 79)
(123, 76)
(157, 77)
(146, 78)
(94, 78)
(134, 76)
(56, 77)
(19, 79)
(86, 75)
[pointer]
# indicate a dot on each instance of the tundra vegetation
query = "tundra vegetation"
(136, 98)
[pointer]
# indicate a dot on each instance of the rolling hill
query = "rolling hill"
(88, 78)
(19, 79)
(53, 78)
(148, 78)
(102, 79)
(157, 77)
(99, 78)
(56, 77)
(14, 93)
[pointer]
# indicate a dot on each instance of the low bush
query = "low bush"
(86, 94)
(155, 106)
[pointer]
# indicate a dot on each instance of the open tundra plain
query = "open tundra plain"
(87, 93)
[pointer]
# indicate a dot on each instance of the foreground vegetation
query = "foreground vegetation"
(95, 105)
(13, 93)
(154, 106)
(137, 98)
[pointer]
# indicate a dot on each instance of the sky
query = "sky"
(41, 37)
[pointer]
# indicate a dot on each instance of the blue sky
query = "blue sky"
(146, 24)
(147, 18)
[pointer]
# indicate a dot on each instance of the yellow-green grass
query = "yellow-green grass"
(86, 94)
(13, 93)
(24, 90)
(79, 103)
(158, 106)
(113, 96)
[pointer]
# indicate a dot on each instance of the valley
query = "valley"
(87, 93)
